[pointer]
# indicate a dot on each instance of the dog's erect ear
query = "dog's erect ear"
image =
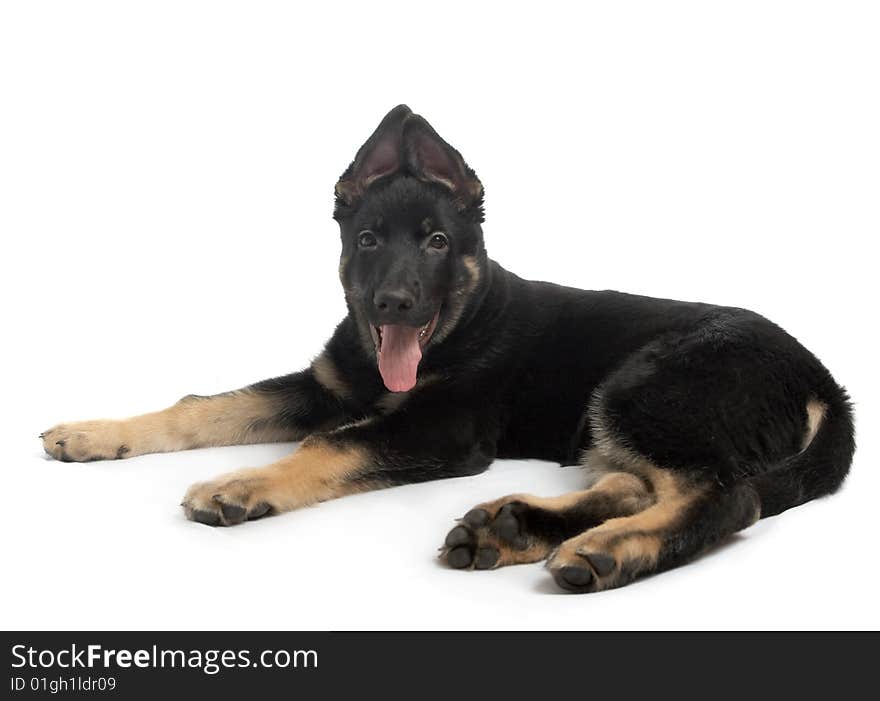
(381, 155)
(431, 159)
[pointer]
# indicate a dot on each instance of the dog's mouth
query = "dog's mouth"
(399, 349)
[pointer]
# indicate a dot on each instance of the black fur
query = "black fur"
(519, 369)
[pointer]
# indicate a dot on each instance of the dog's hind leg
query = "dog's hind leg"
(686, 519)
(521, 528)
(724, 432)
(282, 409)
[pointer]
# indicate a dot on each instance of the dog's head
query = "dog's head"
(409, 210)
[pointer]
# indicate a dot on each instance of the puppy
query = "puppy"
(693, 420)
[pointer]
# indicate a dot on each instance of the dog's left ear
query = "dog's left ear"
(431, 159)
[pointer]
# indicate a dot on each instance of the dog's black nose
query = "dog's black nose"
(392, 302)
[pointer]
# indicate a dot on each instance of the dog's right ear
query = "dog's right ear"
(378, 157)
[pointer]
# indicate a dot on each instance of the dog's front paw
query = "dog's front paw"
(85, 441)
(228, 500)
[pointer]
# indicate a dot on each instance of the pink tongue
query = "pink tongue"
(399, 357)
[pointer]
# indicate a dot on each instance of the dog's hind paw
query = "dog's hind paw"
(598, 560)
(493, 535)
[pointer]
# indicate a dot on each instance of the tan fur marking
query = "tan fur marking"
(596, 466)
(391, 401)
(815, 415)
(233, 418)
(473, 268)
(327, 374)
(594, 460)
(453, 311)
(535, 552)
(605, 444)
(633, 541)
(343, 262)
(672, 495)
(619, 484)
(629, 491)
(318, 471)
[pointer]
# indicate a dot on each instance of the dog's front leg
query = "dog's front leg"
(282, 409)
(370, 454)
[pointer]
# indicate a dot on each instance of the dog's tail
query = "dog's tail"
(821, 467)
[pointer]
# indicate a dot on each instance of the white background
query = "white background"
(166, 171)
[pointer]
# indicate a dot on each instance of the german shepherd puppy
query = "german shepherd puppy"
(693, 420)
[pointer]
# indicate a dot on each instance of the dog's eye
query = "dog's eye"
(438, 241)
(366, 239)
